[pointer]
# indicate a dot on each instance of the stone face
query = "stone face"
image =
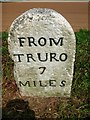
(42, 45)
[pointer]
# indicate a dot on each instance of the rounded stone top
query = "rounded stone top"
(39, 15)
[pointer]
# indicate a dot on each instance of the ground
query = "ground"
(77, 106)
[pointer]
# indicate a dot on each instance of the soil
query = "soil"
(75, 12)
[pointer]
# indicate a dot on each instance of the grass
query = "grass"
(9, 86)
(81, 80)
(77, 106)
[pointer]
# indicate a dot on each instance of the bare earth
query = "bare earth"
(75, 12)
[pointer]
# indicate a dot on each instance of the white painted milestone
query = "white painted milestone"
(42, 45)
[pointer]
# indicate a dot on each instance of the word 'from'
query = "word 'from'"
(42, 41)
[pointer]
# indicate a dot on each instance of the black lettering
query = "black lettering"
(42, 70)
(19, 57)
(31, 40)
(42, 41)
(30, 56)
(24, 84)
(20, 41)
(42, 84)
(39, 57)
(61, 57)
(56, 42)
(52, 56)
(51, 83)
(63, 83)
(34, 83)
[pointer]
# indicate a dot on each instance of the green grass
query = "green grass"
(81, 81)
(77, 105)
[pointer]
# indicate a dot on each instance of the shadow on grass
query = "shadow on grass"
(17, 109)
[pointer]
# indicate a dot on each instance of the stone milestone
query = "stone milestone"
(42, 46)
